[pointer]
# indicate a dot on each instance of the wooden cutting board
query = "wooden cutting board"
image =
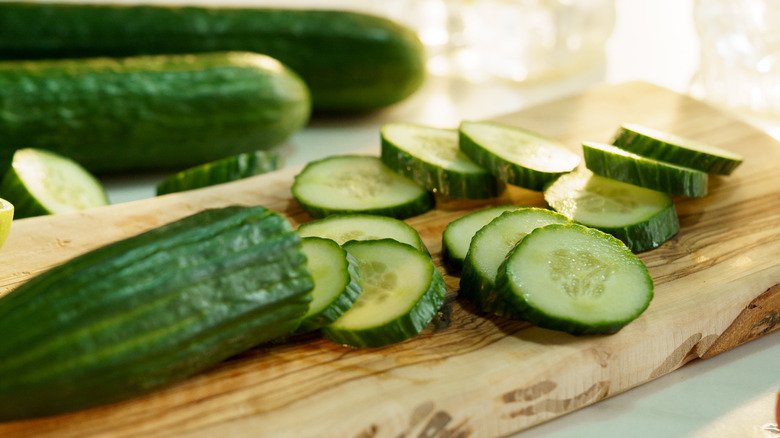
(468, 374)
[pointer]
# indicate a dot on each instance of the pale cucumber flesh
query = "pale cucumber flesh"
(345, 227)
(457, 236)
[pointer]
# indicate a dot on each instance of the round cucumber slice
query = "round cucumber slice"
(663, 146)
(612, 162)
(487, 251)
(41, 182)
(342, 228)
(576, 279)
(458, 233)
(641, 218)
(402, 292)
(336, 285)
(221, 171)
(514, 155)
(6, 218)
(432, 158)
(358, 184)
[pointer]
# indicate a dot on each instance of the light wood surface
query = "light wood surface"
(717, 285)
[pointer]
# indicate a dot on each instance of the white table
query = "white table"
(730, 395)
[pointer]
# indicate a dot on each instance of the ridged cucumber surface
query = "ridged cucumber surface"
(431, 157)
(402, 292)
(345, 184)
(615, 163)
(350, 61)
(221, 171)
(515, 155)
(41, 182)
(149, 112)
(641, 218)
(575, 279)
(663, 146)
(144, 312)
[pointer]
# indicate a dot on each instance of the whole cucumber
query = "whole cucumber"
(350, 61)
(150, 112)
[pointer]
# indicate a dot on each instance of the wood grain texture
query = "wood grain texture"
(468, 374)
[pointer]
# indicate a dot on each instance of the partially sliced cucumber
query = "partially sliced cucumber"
(41, 182)
(613, 162)
(674, 149)
(358, 184)
(576, 279)
(514, 155)
(336, 285)
(432, 158)
(458, 233)
(641, 218)
(221, 171)
(402, 292)
(342, 228)
(488, 249)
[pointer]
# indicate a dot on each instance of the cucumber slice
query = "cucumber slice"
(358, 184)
(342, 228)
(641, 218)
(613, 162)
(674, 149)
(458, 233)
(432, 158)
(6, 217)
(336, 286)
(576, 279)
(221, 171)
(488, 249)
(402, 292)
(517, 156)
(41, 182)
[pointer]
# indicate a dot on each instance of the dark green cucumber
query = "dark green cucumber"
(350, 61)
(432, 158)
(674, 149)
(150, 310)
(149, 112)
(641, 218)
(221, 171)
(612, 162)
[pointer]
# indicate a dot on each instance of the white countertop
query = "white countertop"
(730, 395)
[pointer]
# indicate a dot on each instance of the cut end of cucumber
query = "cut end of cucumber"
(6, 218)
(576, 279)
(342, 228)
(436, 146)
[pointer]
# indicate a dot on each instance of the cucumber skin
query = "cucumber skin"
(456, 262)
(350, 61)
(150, 112)
(522, 311)
(247, 283)
(401, 328)
(221, 171)
(506, 170)
(660, 150)
(660, 228)
(434, 178)
(658, 176)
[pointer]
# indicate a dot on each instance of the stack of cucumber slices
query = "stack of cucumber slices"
(571, 267)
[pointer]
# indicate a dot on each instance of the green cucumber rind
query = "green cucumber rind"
(503, 169)
(465, 185)
(221, 171)
(540, 318)
(630, 139)
(141, 313)
(342, 302)
(423, 203)
(401, 328)
(611, 162)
